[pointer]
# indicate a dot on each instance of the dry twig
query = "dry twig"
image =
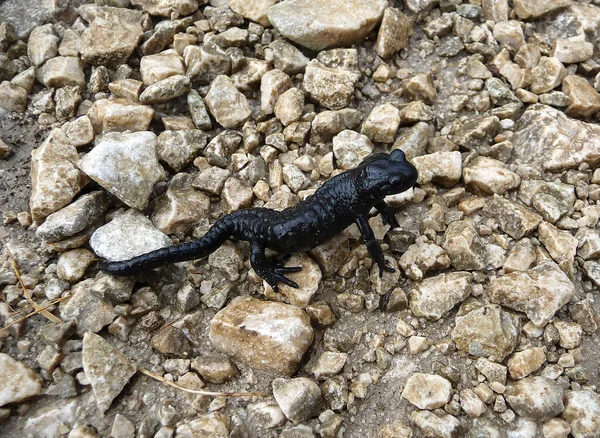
(200, 391)
(35, 305)
(35, 312)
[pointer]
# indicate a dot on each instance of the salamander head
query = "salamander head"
(386, 174)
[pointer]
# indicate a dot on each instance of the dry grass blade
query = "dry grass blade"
(199, 391)
(35, 312)
(35, 305)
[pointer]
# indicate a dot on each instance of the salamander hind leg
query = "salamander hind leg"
(272, 270)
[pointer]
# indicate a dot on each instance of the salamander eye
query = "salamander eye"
(396, 180)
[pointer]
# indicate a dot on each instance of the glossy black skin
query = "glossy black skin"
(343, 200)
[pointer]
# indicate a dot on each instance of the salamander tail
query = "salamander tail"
(196, 249)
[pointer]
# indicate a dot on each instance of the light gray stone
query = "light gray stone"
(74, 218)
(126, 165)
(128, 235)
(55, 179)
(248, 330)
(320, 24)
(107, 369)
(539, 292)
(17, 382)
(228, 106)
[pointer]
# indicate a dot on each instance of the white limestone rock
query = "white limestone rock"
(227, 105)
(321, 24)
(17, 382)
(107, 369)
(126, 165)
(55, 178)
(264, 335)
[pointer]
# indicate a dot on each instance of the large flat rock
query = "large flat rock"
(320, 24)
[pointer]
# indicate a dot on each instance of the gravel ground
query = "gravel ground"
(131, 125)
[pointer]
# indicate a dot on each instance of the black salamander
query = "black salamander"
(345, 199)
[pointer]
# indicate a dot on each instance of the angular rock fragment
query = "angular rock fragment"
(55, 179)
(119, 115)
(582, 412)
(42, 44)
(289, 106)
(427, 391)
(74, 218)
(332, 254)
(584, 99)
(547, 75)
(272, 85)
(88, 308)
(126, 165)
(166, 89)
(299, 398)
(329, 123)
(515, 220)
(180, 207)
(112, 36)
(561, 245)
(420, 87)
(488, 176)
(444, 168)
(588, 246)
(154, 68)
(486, 331)
(477, 132)
(128, 235)
(204, 63)
(532, 9)
(521, 257)
(585, 315)
(464, 246)
(421, 258)
(179, 148)
(525, 362)
(212, 180)
(442, 425)
(535, 398)
(471, 404)
(237, 194)
(572, 50)
(165, 8)
(228, 106)
(198, 111)
(350, 148)
(263, 335)
(320, 24)
(17, 382)
(71, 265)
(382, 123)
(254, 11)
(287, 58)
(219, 150)
(107, 369)
(213, 425)
(332, 88)
(433, 297)
(63, 71)
(172, 342)
(394, 33)
(539, 292)
(80, 131)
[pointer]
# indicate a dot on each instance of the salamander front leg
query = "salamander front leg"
(388, 214)
(372, 245)
(272, 271)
